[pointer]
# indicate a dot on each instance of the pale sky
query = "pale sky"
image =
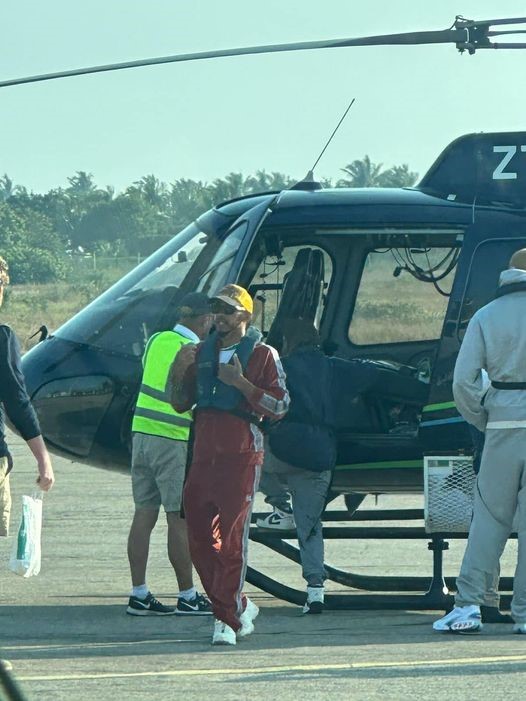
(205, 119)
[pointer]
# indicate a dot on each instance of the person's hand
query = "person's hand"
(46, 478)
(230, 373)
(183, 360)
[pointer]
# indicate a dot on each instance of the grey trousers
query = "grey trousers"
(500, 492)
(309, 492)
(275, 488)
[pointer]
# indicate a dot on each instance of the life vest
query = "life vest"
(211, 392)
(154, 415)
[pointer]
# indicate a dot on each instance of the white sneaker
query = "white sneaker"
(223, 634)
(315, 600)
(463, 619)
(247, 619)
(278, 520)
(519, 628)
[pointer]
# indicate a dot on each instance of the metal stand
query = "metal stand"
(436, 594)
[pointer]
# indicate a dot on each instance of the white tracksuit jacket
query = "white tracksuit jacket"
(495, 342)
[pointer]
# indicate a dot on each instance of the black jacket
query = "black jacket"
(321, 392)
(13, 394)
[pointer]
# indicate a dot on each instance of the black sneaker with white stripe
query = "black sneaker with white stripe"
(148, 607)
(198, 606)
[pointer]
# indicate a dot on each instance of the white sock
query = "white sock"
(141, 592)
(188, 594)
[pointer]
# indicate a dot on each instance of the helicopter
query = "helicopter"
(389, 277)
(323, 255)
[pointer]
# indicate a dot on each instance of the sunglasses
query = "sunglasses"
(222, 308)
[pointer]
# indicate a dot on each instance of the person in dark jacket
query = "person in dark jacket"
(14, 400)
(302, 446)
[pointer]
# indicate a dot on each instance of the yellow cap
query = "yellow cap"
(237, 297)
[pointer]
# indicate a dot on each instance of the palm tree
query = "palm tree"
(397, 176)
(7, 189)
(188, 199)
(231, 186)
(81, 183)
(263, 181)
(363, 173)
(151, 189)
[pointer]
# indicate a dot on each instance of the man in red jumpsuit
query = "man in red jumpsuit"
(233, 380)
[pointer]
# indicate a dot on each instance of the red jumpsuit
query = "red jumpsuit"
(223, 479)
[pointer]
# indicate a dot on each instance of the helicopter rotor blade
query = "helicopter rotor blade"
(466, 34)
(494, 45)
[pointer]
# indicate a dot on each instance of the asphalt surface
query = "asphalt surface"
(68, 638)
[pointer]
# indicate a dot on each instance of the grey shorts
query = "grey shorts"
(158, 469)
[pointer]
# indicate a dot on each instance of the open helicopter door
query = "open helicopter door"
(302, 294)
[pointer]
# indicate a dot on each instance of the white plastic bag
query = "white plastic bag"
(26, 555)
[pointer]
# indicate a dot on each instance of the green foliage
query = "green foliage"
(31, 247)
(364, 173)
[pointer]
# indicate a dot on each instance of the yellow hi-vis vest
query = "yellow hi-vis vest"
(154, 415)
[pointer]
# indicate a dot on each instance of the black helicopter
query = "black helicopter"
(362, 265)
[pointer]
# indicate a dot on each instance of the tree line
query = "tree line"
(41, 234)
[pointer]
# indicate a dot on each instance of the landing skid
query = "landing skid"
(436, 588)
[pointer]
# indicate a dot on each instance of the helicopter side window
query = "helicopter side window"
(393, 304)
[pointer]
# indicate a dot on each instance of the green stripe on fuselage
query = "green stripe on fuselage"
(440, 407)
(387, 465)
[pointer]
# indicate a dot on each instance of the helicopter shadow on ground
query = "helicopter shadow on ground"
(103, 630)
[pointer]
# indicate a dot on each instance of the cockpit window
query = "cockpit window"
(214, 277)
(394, 304)
(123, 318)
(173, 269)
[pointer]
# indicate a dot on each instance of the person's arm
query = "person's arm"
(469, 385)
(46, 477)
(18, 406)
(269, 397)
(182, 379)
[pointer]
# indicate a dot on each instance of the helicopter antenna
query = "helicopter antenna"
(351, 103)
(308, 182)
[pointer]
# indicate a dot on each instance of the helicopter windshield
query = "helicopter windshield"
(123, 318)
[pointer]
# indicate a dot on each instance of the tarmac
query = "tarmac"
(66, 633)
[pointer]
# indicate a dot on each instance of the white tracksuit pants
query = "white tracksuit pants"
(500, 492)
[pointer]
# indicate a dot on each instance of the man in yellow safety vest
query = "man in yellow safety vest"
(159, 450)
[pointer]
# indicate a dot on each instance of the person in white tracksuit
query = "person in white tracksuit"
(495, 342)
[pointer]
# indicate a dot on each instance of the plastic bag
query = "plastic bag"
(26, 555)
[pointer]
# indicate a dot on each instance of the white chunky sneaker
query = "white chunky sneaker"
(223, 634)
(463, 619)
(315, 600)
(278, 520)
(247, 619)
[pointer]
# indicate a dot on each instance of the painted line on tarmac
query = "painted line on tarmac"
(91, 646)
(350, 666)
